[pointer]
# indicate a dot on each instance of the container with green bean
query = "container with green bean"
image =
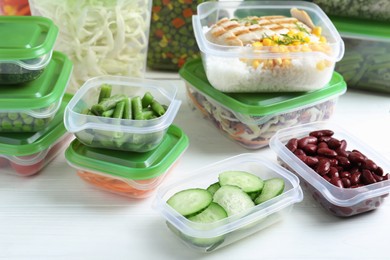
(122, 113)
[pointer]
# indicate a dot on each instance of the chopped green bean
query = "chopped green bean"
(105, 92)
(108, 113)
(127, 109)
(148, 114)
(107, 104)
(119, 109)
(136, 104)
(147, 99)
(158, 108)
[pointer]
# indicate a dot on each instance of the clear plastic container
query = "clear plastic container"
(115, 133)
(26, 154)
(270, 61)
(366, 63)
(25, 48)
(342, 202)
(207, 237)
(107, 37)
(135, 175)
(251, 119)
(30, 106)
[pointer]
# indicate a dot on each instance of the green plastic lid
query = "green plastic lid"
(21, 144)
(260, 104)
(26, 37)
(367, 29)
(41, 92)
(130, 165)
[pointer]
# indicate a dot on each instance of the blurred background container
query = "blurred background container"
(101, 37)
(14, 7)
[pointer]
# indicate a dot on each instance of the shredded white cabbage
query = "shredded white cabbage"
(100, 36)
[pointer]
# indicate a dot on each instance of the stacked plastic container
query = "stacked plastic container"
(33, 80)
(250, 92)
(125, 141)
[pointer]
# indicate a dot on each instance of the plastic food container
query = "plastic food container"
(135, 175)
(31, 106)
(342, 202)
(26, 154)
(378, 10)
(171, 39)
(14, 7)
(121, 134)
(366, 63)
(251, 119)
(267, 61)
(100, 37)
(207, 237)
(26, 47)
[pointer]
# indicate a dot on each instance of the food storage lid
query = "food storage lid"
(260, 103)
(26, 38)
(40, 93)
(130, 165)
(21, 144)
(355, 28)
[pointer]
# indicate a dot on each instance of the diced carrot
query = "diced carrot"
(169, 55)
(188, 1)
(181, 62)
(178, 22)
(166, 2)
(187, 12)
(159, 33)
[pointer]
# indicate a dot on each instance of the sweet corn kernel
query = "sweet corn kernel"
(305, 48)
(257, 44)
(301, 35)
(317, 31)
(306, 39)
(320, 65)
(255, 64)
(323, 39)
(267, 42)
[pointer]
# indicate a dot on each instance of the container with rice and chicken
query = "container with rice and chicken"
(266, 46)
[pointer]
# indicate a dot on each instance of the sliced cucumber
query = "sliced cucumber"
(233, 199)
(272, 188)
(212, 213)
(213, 187)
(190, 201)
(246, 181)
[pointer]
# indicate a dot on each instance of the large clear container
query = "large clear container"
(117, 133)
(270, 61)
(207, 237)
(30, 106)
(366, 63)
(251, 119)
(100, 37)
(134, 175)
(26, 47)
(26, 154)
(342, 202)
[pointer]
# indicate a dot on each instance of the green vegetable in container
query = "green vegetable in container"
(15, 74)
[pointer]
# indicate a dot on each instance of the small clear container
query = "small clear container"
(275, 66)
(25, 154)
(30, 107)
(135, 175)
(26, 47)
(121, 134)
(342, 202)
(366, 63)
(251, 119)
(207, 237)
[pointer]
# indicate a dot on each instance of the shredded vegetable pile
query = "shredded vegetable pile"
(100, 36)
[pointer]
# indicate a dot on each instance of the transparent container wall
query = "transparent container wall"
(100, 37)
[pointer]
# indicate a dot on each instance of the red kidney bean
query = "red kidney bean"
(377, 177)
(367, 177)
(343, 162)
(323, 167)
(353, 170)
(355, 157)
(355, 178)
(324, 139)
(310, 148)
(320, 133)
(304, 141)
(386, 176)
(343, 145)
(334, 143)
(322, 145)
(337, 182)
(326, 152)
(345, 174)
(299, 152)
(326, 177)
(342, 152)
(369, 164)
(310, 161)
(379, 171)
(333, 172)
(292, 144)
(346, 182)
(357, 151)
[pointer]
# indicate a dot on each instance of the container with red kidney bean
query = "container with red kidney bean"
(342, 174)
